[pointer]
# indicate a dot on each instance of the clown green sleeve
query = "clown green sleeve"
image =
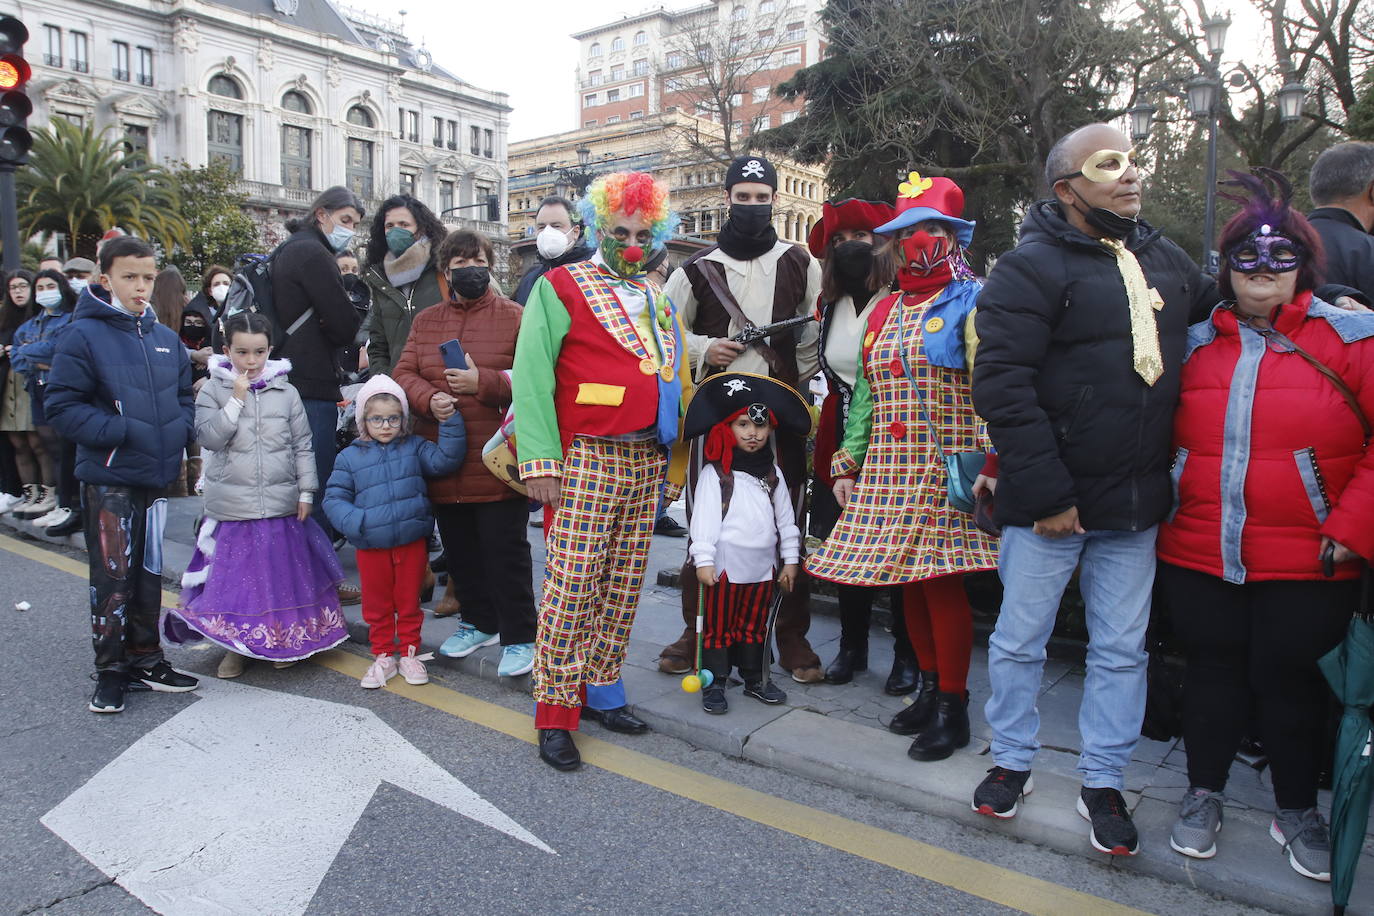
(858, 427)
(543, 325)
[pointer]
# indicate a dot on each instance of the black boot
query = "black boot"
(904, 679)
(751, 662)
(556, 748)
(841, 670)
(946, 733)
(713, 700)
(912, 719)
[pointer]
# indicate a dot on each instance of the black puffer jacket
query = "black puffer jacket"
(1349, 249)
(579, 252)
(305, 275)
(1073, 423)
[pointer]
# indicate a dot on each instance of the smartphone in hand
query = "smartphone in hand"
(454, 357)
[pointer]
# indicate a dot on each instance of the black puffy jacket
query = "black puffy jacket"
(305, 275)
(1349, 249)
(1073, 423)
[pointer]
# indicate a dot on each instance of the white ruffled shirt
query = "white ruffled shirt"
(745, 544)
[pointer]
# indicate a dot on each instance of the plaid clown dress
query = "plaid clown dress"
(898, 526)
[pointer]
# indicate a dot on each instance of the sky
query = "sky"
(520, 47)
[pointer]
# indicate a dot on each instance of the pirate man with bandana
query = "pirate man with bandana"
(752, 278)
(598, 380)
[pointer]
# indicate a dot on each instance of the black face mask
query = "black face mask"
(853, 260)
(195, 335)
(1111, 224)
(751, 219)
(469, 282)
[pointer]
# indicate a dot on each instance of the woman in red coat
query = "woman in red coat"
(1274, 482)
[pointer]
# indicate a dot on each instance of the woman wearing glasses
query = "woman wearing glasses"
(1274, 488)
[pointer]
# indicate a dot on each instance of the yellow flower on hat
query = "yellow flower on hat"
(914, 186)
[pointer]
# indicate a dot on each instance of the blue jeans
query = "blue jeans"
(1117, 574)
(324, 420)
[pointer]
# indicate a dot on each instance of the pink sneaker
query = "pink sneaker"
(383, 669)
(413, 667)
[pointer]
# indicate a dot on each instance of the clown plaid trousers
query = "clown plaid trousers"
(598, 547)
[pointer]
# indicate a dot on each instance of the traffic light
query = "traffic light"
(15, 105)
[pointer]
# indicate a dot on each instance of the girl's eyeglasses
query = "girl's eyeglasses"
(391, 422)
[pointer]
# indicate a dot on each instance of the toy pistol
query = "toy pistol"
(760, 332)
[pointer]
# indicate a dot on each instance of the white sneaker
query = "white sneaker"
(8, 501)
(383, 669)
(26, 501)
(413, 668)
(55, 517)
(45, 503)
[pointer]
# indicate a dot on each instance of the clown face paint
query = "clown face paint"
(627, 237)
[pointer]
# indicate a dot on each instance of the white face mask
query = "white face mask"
(78, 284)
(218, 291)
(552, 242)
(48, 298)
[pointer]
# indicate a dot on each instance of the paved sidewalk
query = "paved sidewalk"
(836, 735)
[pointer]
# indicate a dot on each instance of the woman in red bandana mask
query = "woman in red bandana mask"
(911, 405)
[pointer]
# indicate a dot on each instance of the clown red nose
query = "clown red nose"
(634, 254)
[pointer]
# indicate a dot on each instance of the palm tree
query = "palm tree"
(78, 183)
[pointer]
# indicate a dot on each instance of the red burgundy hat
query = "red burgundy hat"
(851, 213)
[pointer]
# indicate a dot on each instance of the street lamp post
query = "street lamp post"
(1206, 90)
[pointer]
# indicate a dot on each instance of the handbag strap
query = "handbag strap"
(911, 377)
(1331, 375)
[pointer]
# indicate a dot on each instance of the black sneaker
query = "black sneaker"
(1113, 831)
(109, 692)
(164, 678)
(1001, 791)
(765, 692)
(667, 526)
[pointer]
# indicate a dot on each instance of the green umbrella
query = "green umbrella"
(1350, 669)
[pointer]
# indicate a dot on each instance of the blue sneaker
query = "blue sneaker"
(516, 660)
(466, 640)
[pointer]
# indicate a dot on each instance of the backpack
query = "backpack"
(250, 290)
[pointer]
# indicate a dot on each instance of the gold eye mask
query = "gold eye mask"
(1093, 169)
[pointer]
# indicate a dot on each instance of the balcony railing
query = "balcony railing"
(145, 79)
(276, 193)
(121, 75)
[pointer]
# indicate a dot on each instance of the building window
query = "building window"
(295, 157)
(641, 39)
(408, 184)
(634, 91)
(613, 119)
(360, 116)
(52, 44)
(738, 13)
(641, 67)
(445, 196)
(766, 6)
(617, 44)
(594, 78)
(225, 136)
(617, 73)
(612, 95)
(737, 128)
(674, 59)
(145, 66)
(762, 122)
(636, 115)
(591, 123)
(136, 143)
(475, 140)
(80, 46)
(589, 100)
(413, 126)
(358, 165)
(72, 118)
(796, 31)
(438, 131)
(704, 111)
(736, 100)
(789, 116)
(295, 101)
(791, 57)
(760, 94)
(488, 143)
(594, 50)
(120, 70)
(452, 135)
(226, 86)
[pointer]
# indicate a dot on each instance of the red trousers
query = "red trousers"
(939, 623)
(391, 579)
(736, 614)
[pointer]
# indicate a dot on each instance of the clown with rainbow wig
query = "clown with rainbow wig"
(599, 385)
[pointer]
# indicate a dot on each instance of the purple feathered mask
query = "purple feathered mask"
(1261, 236)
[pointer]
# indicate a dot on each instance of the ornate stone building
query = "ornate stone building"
(295, 95)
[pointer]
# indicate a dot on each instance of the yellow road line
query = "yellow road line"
(902, 853)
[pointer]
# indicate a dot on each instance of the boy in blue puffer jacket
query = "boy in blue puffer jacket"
(377, 498)
(120, 388)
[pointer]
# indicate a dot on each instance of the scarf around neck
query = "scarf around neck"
(407, 267)
(745, 247)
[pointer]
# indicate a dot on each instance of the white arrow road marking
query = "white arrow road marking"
(239, 803)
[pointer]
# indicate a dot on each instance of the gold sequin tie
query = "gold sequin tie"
(1144, 301)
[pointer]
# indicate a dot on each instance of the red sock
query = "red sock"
(951, 620)
(918, 629)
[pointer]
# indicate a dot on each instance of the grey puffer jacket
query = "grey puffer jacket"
(262, 464)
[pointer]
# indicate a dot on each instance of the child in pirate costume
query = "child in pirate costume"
(742, 525)
(598, 386)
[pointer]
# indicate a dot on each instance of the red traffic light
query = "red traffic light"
(14, 71)
(13, 34)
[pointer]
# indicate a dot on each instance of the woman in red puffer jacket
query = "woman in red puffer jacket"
(1274, 481)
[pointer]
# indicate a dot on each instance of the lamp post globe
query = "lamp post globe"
(1142, 117)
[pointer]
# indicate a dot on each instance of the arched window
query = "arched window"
(295, 101)
(641, 39)
(358, 164)
(594, 50)
(738, 13)
(227, 86)
(617, 44)
(360, 116)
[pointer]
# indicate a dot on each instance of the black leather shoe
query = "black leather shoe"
(841, 670)
(617, 720)
(922, 709)
(904, 679)
(713, 700)
(556, 748)
(947, 731)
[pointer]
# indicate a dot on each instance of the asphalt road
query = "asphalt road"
(652, 825)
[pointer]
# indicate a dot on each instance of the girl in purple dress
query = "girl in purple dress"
(262, 582)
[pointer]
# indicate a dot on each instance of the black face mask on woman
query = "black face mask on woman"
(853, 260)
(469, 282)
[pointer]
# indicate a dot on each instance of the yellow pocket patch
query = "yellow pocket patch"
(599, 395)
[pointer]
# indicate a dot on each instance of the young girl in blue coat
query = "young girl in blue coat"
(263, 581)
(378, 500)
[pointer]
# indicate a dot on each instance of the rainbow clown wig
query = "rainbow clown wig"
(629, 193)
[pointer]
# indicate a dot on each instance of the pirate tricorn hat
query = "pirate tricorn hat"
(720, 396)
